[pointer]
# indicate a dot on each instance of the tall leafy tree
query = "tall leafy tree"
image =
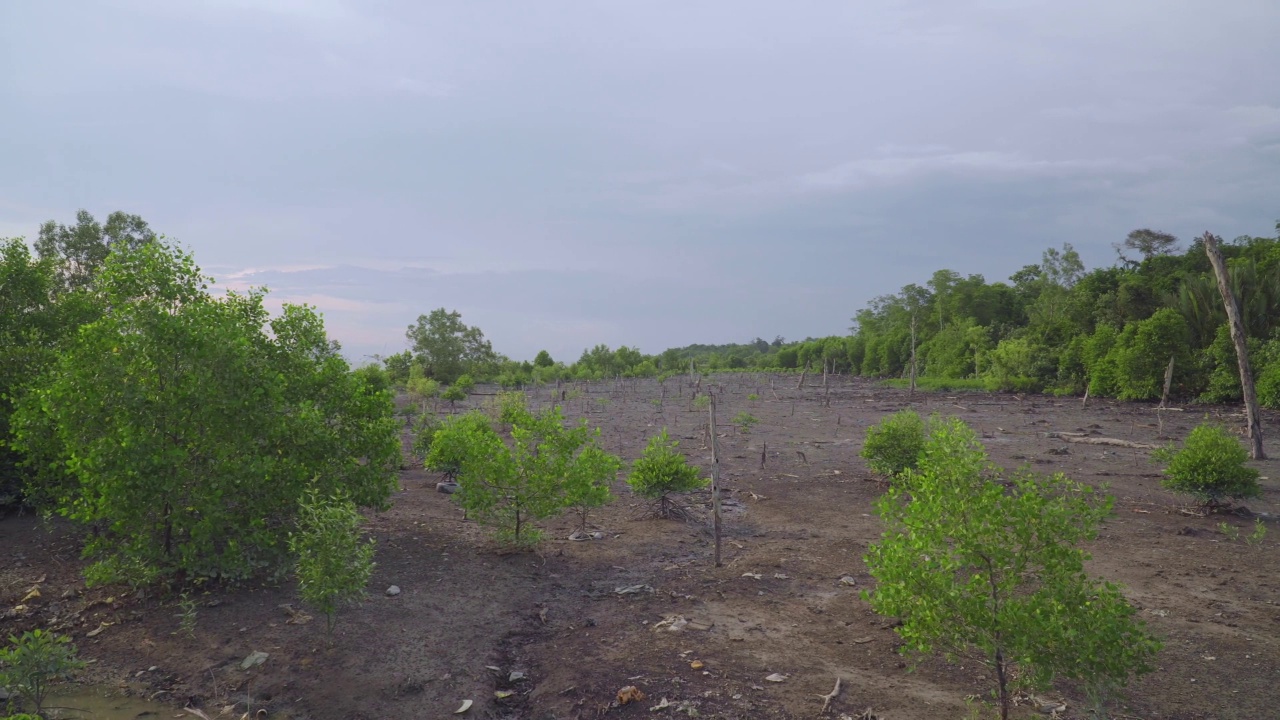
(447, 347)
(80, 250)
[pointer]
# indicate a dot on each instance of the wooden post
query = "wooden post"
(764, 453)
(826, 389)
(715, 479)
(1242, 349)
(803, 372)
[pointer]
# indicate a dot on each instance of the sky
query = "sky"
(649, 173)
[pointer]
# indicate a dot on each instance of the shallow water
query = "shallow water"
(101, 704)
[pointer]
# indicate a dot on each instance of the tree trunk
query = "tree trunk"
(715, 479)
(1242, 350)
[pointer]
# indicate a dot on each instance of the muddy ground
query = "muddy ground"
(469, 615)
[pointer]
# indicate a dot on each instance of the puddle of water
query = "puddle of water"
(100, 704)
(89, 703)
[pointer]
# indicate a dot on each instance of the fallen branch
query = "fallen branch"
(1089, 440)
(826, 699)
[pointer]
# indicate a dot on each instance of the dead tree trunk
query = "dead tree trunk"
(715, 479)
(1242, 350)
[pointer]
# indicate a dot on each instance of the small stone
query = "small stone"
(257, 657)
(393, 591)
(515, 676)
(848, 580)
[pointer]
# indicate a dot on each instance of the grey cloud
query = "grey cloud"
(651, 174)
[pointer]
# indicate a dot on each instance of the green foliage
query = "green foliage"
(893, 445)
(465, 383)
(185, 427)
(1142, 354)
(423, 433)
(453, 394)
(543, 360)
(447, 348)
(745, 421)
(375, 378)
(1210, 467)
(34, 661)
(1002, 581)
(334, 563)
(543, 469)
(1259, 533)
(80, 251)
(1268, 383)
(446, 452)
(753, 397)
(1013, 366)
(187, 615)
(587, 484)
(662, 470)
(702, 402)
(1059, 327)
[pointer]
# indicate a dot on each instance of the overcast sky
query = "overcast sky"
(643, 173)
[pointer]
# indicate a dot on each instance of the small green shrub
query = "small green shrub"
(187, 615)
(745, 421)
(465, 383)
(453, 394)
(1210, 467)
(663, 470)
(334, 563)
(35, 660)
(893, 446)
(753, 397)
(702, 402)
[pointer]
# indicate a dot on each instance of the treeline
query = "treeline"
(444, 349)
(1059, 328)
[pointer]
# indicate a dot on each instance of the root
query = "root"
(826, 699)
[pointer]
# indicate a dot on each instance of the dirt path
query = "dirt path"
(778, 605)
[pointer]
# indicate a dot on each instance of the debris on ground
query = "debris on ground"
(630, 694)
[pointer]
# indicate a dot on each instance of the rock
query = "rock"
(515, 676)
(848, 580)
(393, 591)
(776, 678)
(448, 488)
(4, 693)
(257, 657)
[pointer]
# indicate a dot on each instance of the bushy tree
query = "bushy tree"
(333, 562)
(1142, 353)
(989, 569)
(661, 471)
(185, 427)
(1210, 467)
(893, 445)
(587, 484)
(447, 347)
(544, 468)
